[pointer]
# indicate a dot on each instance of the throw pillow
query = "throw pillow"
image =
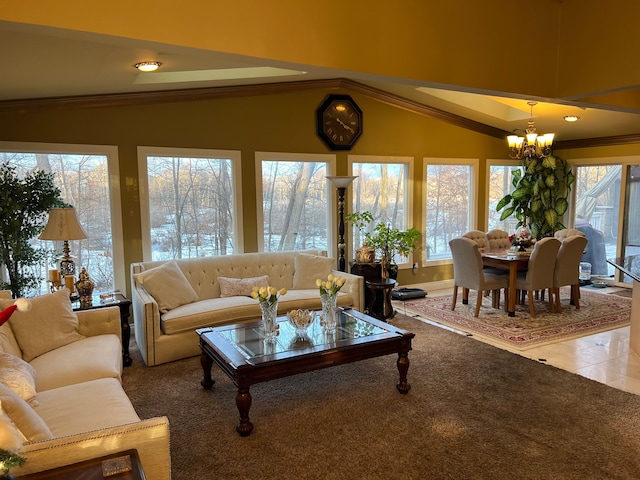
(51, 323)
(18, 375)
(167, 285)
(309, 268)
(241, 287)
(26, 420)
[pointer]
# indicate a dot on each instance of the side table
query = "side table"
(116, 299)
(380, 302)
(122, 466)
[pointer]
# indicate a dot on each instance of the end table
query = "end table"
(380, 303)
(112, 299)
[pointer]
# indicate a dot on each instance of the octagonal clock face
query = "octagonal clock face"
(339, 122)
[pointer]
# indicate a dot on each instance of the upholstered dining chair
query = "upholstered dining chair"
(567, 269)
(567, 232)
(468, 273)
(480, 238)
(539, 274)
(498, 240)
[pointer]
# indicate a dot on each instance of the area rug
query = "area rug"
(474, 412)
(598, 313)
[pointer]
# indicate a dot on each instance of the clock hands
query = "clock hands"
(345, 126)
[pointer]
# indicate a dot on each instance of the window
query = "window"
(293, 210)
(381, 189)
(597, 208)
(500, 185)
(83, 173)
(189, 202)
(449, 201)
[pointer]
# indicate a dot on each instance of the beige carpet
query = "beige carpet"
(598, 313)
(475, 412)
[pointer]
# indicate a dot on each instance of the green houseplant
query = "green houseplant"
(540, 195)
(24, 205)
(386, 240)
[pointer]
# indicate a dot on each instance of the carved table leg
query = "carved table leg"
(403, 368)
(243, 402)
(206, 362)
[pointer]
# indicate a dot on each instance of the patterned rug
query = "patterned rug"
(598, 313)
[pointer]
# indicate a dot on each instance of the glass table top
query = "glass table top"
(249, 340)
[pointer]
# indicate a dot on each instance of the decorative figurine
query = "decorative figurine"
(85, 286)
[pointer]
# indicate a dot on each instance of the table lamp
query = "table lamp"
(63, 225)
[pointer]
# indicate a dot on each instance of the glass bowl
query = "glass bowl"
(300, 320)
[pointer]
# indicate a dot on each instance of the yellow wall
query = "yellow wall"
(478, 45)
(276, 123)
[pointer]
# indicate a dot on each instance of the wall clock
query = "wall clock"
(339, 122)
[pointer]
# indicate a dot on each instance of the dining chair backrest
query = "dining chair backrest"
(567, 268)
(480, 238)
(498, 240)
(542, 264)
(467, 263)
(568, 232)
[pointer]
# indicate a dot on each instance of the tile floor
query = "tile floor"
(604, 357)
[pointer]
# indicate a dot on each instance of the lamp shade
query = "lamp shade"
(341, 182)
(63, 225)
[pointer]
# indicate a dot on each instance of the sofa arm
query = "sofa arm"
(100, 321)
(146, 319)
(149, 437)
(354, 286)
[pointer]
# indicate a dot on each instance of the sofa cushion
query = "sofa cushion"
(51, 323)
(18, 375)
(85, 406)
(215, 311)
(221, 311)
(27, 421)
(167, 285)
(88, 359)
(309, 268)
(240, 287)
(8, 342)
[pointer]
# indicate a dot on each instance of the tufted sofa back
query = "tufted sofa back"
(203, 272)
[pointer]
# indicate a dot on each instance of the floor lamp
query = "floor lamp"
(341, 184)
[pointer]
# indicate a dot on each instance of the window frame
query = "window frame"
(145, 218)
(409, 163)
(332, 219)
(504, 162)
(120, 277)
(474, 164)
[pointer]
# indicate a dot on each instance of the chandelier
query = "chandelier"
(532, 144)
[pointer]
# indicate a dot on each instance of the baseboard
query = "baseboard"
(432, 286)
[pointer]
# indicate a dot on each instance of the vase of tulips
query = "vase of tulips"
(328, 297)
(268, 298)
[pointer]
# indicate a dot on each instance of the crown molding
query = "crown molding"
(231, 91)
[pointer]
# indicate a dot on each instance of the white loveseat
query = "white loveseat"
(60, 385)
(172, 299)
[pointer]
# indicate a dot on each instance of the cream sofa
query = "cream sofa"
(172, 299)
(60, 386)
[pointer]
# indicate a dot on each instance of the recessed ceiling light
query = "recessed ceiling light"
(571, 118)
(147, 66)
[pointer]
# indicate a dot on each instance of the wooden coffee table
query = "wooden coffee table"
(241, 352)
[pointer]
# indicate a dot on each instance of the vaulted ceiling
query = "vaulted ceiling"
(463, 65)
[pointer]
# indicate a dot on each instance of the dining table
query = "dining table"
(510, 260)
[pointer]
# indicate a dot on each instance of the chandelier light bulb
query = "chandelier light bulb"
(531, 144)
